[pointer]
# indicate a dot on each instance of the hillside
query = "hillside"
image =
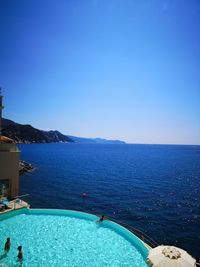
(102, 141)
(28, 134)
(25, 133)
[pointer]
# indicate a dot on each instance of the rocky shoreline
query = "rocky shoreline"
(25, 167)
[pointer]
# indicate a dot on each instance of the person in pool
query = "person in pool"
(101, 219)
(20, 255)
(7, 245)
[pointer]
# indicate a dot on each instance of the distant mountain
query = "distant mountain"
(27, 134)
(21, 133)
(94, 140)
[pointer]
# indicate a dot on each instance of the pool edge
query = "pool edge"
(141, 246)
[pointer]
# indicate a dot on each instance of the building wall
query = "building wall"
(9, 169)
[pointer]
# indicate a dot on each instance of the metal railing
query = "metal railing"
(25, 195)
(140, 234)
(17, 200)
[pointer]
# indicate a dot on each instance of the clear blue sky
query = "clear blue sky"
(116, 69)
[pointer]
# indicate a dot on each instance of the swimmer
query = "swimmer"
(101, 219)
(20, 255)
(7, 245)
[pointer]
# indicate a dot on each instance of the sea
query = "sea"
(153, 188)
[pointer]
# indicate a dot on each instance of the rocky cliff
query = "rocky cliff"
(28, 134)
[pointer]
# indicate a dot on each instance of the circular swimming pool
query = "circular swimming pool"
(67, 238)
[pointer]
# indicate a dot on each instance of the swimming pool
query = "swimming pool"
(67, 238)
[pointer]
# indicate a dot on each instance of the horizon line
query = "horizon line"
(115, 139)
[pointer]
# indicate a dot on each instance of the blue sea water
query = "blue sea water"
(154, 188)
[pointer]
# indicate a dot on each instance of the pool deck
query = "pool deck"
(14, 205)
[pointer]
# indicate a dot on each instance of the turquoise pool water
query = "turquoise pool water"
(67, 238)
